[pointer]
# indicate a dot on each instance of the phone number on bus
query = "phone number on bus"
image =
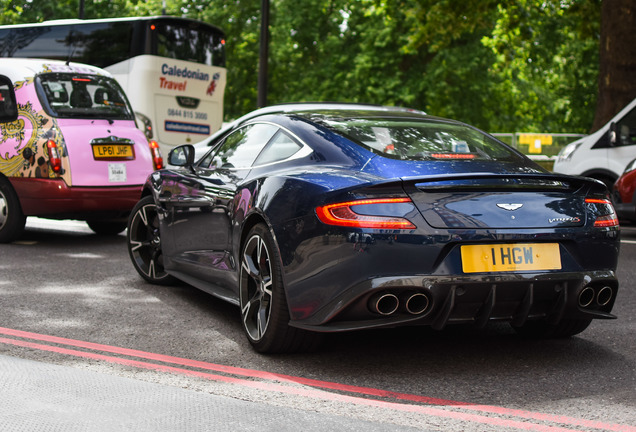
(172, 112)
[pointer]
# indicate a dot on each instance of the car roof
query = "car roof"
(307, 107)
(21, 68)
(324, 106)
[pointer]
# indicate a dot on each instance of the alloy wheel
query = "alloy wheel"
(144, 243)
(256, 283)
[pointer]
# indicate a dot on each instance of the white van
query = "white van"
(604, 154)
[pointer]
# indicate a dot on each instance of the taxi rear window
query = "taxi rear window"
(66, 95)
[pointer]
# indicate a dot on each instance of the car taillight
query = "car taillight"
(604, 211)
(157, 160)
(54, 157)
(342, 214)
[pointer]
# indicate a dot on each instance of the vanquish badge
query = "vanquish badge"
(509, 207)
(565, 219)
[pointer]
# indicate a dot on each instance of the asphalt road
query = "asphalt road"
(70, 298)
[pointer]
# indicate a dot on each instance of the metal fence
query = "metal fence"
(540, 147)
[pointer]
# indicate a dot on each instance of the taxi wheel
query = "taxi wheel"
(106, 228)
(542, 329)
(264, 311)
(144, 243)
(12, 220)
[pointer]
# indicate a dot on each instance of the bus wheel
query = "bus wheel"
(11, 218)
(106, 228)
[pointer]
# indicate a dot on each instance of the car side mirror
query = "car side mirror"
(612, 134)
(181, 156)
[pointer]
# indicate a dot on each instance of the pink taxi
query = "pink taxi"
(69, 147)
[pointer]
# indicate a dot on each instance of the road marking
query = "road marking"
(462, 411)
(629, 241)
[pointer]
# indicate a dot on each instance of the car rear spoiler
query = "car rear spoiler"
(505, 181)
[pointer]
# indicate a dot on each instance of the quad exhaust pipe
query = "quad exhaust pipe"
(416, 304)
(386, 303)
(586, 296)
(590, 296)
(604, 295)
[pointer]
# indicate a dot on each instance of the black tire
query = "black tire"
(144, 243)
(543, 330)
(264, 310)
(105, 227)
(12, 220)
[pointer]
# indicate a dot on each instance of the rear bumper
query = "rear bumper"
(53, 198)
(475, 300)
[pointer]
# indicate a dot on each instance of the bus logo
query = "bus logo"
(213, 83)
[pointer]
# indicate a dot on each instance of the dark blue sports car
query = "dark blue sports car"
(324, 218)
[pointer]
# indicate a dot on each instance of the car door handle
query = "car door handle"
(195, 202)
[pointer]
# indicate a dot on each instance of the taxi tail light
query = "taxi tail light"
(342, 214)
(157, 160)
(54, 157)
(606, 216)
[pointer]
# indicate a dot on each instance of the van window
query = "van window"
(626, 129)
(8, 107)
(65, 95)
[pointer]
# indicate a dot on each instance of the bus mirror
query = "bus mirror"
(181, 156)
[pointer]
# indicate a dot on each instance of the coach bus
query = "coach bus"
(172, 69)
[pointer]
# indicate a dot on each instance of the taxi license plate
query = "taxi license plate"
(113, 151)
(510, 257)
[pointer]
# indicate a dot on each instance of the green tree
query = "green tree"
(547, 62)
(523, 65)
(240, 19)
(528, 65)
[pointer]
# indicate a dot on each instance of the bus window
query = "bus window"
(46, 42)
(102, 44)
(184, 43)
(8, 107)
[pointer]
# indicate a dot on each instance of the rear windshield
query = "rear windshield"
(67, 95)
(430, 139)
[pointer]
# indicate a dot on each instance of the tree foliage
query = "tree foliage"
(528, 65)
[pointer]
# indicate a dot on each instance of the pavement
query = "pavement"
(38, 396)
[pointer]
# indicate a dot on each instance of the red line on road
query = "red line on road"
(296, 391)
(309, 382)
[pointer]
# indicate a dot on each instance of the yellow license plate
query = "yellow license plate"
(510, 257)
(113, 151)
